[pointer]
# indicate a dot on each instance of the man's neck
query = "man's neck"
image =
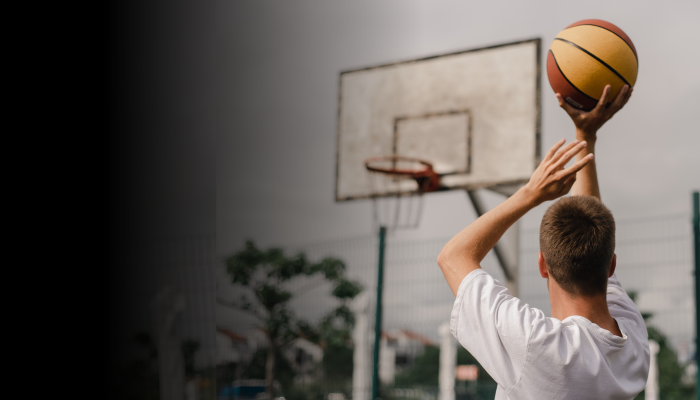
(593, 308)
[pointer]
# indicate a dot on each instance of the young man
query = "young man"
(595, 344)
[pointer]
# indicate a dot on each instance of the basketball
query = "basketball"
(587, 56)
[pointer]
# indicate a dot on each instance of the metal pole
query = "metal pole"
(696, 235)
(378, 319)
(481, 210)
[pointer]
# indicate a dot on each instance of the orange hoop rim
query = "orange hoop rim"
(413, 173)
(426, 178)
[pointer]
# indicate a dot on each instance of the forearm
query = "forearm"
(587, 124)
(587, 178)
(464, 252)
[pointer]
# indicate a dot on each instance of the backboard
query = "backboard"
(474, 115)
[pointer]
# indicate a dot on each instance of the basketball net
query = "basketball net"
(397, 186)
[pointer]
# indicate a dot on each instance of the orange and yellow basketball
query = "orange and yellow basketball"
(587, 56)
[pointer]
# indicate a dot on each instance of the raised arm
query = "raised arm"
(464, 252)
(587, 125)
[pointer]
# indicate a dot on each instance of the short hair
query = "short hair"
(577, 240)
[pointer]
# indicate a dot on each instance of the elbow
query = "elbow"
(443, 258)
(440, 260)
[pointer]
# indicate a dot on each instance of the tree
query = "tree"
(671, 386)
(266, 273)
(426, 367)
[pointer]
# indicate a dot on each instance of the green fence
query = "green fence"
(222, 347)
(655, 265)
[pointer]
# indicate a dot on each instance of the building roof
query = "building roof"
(418, 337)
(409, 334)
(232, 335)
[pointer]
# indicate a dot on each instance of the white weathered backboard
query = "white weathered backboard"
(475, 115)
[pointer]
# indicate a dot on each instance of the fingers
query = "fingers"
(566, 106)
(621, 98)
(629, 94)
(568, 176)
(619, 102)
(553, 150)
(603, 99)
(627, 97)
(567, 153)
(572, 170)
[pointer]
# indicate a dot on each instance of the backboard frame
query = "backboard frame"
(499, 186)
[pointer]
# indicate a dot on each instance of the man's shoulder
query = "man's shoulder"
(576, 365)
(621, 306)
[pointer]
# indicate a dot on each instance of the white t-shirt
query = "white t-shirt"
(535, 357)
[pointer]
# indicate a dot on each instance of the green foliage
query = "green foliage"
(671, 386)
(337, 363)
(466, 358)
(245, 267)
(426, 367)
(337, 377)
(335, 329)
(265, 273)
(423, 372)
(345, 289)
(256, 368)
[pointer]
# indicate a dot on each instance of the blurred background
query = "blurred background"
(222, 138)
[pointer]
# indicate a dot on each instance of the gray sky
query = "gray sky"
(276, 150)
(278, 112)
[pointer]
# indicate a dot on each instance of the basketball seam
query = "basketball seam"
(596, 58)
(614, 33)
(567, 79)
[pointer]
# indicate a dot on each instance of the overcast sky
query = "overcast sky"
(280, 65)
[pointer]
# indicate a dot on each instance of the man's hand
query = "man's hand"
(587, 125)
(464, 252)
(588, 122)
(551, 180)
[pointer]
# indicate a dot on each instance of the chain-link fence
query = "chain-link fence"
(222, 349)
(654, 265)
(166, 336)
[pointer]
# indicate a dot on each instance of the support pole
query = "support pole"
(696, 236)
(497, 250)
(378, 319)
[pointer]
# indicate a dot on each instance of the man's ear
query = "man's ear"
(543, 265)
(613, 264)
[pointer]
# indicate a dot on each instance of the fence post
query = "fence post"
(696, 237)
(651, 391)
(448, 363)
(166, 306)
(378, 319)
(360, 306)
